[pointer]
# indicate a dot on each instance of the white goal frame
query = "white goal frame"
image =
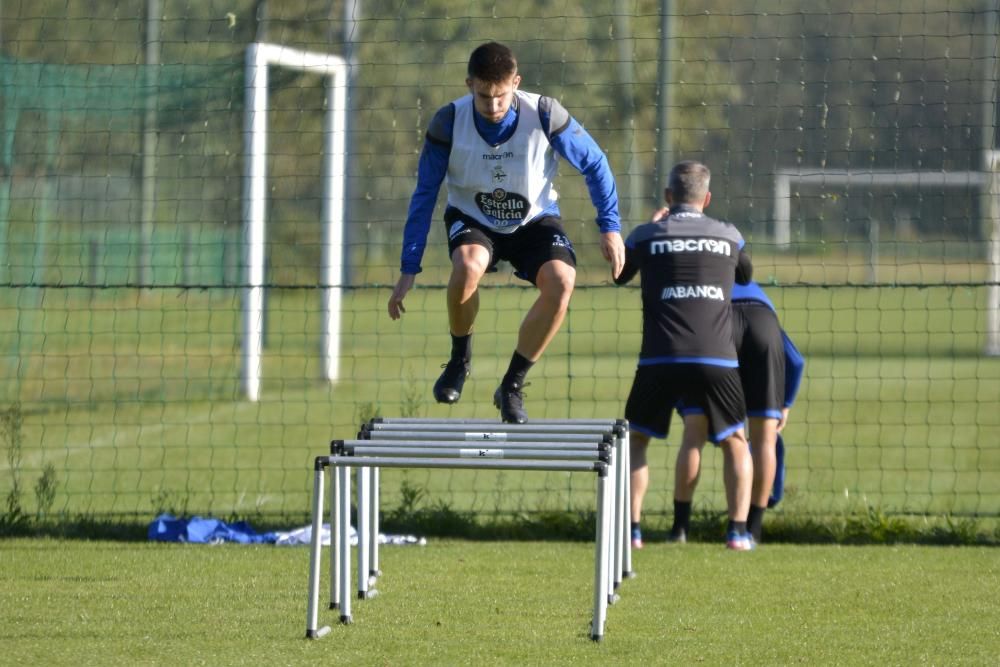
(988, 183)
(259, 57)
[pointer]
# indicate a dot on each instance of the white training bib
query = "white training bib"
(501, 187)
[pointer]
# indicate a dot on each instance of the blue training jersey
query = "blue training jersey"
(795, 365)
(752, 291)
(567, 138)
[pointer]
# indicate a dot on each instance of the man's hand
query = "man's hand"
(659, 214)
(783, 421)
(613, 249)
(403, 285)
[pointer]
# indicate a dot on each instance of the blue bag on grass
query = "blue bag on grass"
(199, 530)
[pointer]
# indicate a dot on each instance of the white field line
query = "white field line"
(113, 435)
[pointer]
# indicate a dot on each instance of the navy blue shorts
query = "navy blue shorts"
(527, 249)
(761, 352)
(714, 391)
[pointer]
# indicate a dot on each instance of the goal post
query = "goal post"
(259, 57)
(988, 183)
(992, 205)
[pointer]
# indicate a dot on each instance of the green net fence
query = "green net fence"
(122, 247)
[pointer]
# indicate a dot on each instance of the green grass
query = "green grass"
(454, 602)
(134, 398)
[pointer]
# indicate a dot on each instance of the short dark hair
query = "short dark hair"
(492, 62)
(689, 181)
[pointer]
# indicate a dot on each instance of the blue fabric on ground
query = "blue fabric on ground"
(199, 530)
(778, 488)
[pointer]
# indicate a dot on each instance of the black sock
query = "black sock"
(516, 372)
(461, 347)
(755, 520)
(739, 527)
(636, 526)
(682, 517)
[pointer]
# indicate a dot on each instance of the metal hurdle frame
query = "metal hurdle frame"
(342, 487)
(510, 440)
(449, 440)
(556, 430)
(580, 446)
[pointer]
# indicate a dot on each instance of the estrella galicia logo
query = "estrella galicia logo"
(456, 229)
(504, 208)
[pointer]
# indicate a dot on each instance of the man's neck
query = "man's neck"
(496, 132)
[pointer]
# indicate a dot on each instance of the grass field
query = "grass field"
(133, 397)
(456, 603)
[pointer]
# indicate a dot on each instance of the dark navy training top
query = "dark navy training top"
(688, 263)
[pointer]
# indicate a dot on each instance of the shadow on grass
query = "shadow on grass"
(868, 526)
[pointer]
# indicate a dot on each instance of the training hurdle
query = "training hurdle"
(527, 438)
(553, 430)
(594, 446)
(340, 466)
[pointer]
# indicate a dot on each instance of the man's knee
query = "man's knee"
(638, 444)
(763, 433)
(735, 445)
(556, 280)
(468, 264)
(695, 432)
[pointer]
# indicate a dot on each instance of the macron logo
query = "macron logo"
(714, 246)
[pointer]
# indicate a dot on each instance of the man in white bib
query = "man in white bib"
(497, 149)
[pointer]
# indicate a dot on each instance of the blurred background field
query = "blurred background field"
(149, 414)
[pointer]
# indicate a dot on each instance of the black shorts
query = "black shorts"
(527, 249)
(761, 351)
(714, 391)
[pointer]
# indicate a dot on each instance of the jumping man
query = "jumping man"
(497, 149)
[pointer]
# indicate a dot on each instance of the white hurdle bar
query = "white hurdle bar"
(580, 447)
(342, 464)
(419, 450)
(418, 439)
(478, 420)
(472, 429)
